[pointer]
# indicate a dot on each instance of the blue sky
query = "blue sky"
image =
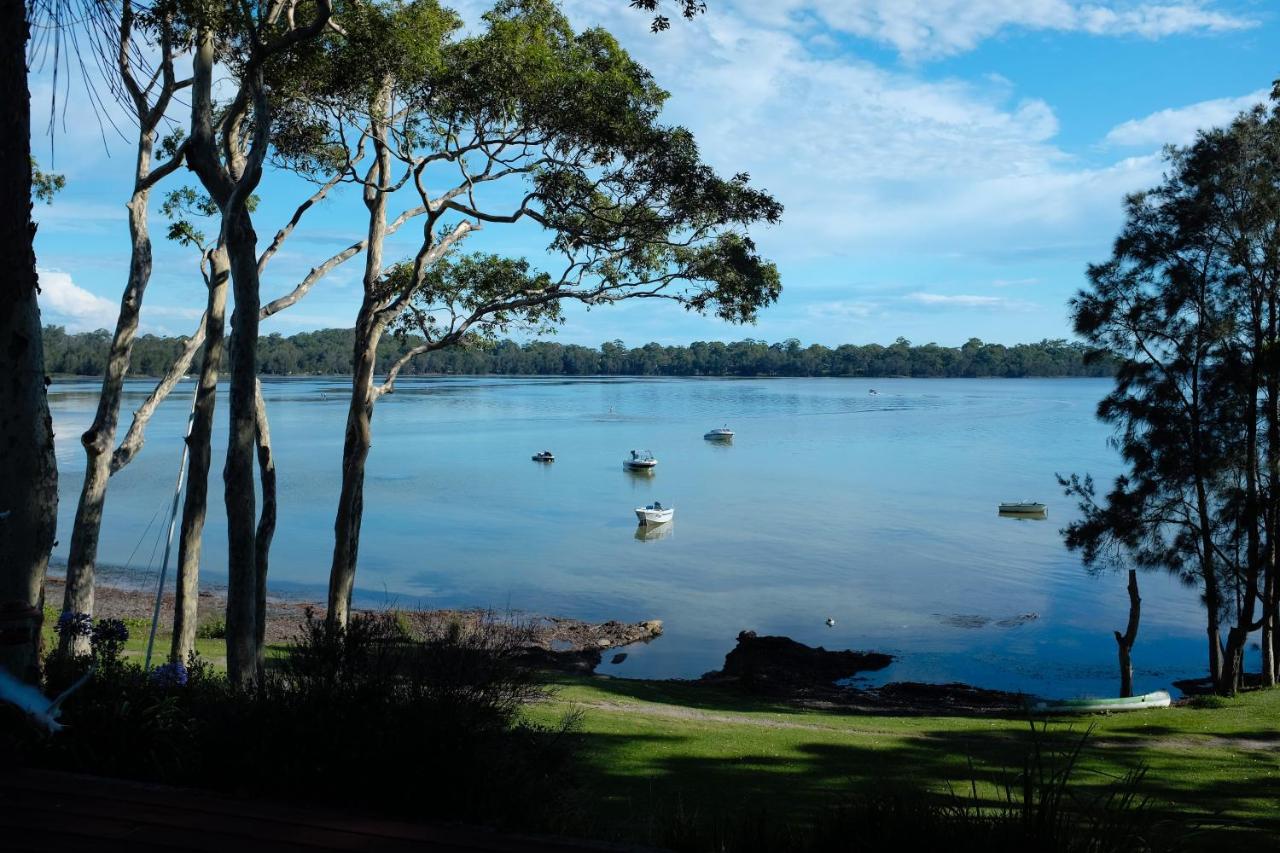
(948, 167)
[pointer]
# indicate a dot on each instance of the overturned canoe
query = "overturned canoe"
(1157, 699)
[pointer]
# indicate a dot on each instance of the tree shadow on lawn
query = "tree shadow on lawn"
(732, 699)
(686, 694)
(640, 780)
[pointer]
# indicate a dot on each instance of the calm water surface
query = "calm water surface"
(877, 511)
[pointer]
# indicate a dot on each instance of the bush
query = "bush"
(360, 717)
(214, 629)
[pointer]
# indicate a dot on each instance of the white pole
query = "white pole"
(173, 519)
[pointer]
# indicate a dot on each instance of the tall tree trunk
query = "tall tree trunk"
(1272, 502)
(266, 524)
(99, 439)
(1124, 642)
(238, 473)
(364, 356)
(1212, 589)
(186, 613)
(28, 466)
(355, 453)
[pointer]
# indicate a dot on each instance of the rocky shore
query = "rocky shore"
(569, 645)
(776, 667)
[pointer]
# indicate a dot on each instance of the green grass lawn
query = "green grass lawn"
(651, 745)
(654, 748)
(135, 648)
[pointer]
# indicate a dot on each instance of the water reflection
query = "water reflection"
(1042, 515)
(654, 532)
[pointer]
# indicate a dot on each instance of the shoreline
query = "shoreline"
(575, 647)
(553, 642)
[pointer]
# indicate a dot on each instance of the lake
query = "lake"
(877, 511)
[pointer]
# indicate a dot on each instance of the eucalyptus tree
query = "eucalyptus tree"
(149, 97)
(687, 8)
(525, 122)
(28, 466)
(1188, 304)
(226, 150)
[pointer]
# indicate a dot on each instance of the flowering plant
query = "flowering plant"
(71, 624)
(170, 675)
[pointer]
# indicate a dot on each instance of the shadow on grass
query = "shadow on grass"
(638, 780)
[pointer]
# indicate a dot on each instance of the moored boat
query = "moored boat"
(1155, 699)
(719, 434)
(639, 460)
(655, 513)
(544, 456)
(1023, 508)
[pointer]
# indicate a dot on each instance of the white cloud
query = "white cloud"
(1178, 126)
(844, 309)
(64, 303)
(1014, 282)
(966, 300)
(923, 29)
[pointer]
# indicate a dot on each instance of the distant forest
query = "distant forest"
(328, 352)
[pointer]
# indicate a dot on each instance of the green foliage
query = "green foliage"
(1189, 303)
(213, 629)
(328, 352)
(45, 185)
(430, 728)
(687, 8)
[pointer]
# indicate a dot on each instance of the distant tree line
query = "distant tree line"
(328, 352)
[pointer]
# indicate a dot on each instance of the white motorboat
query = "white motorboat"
(1023, 508)
(719, 434)
(655, 513)
(544, 456)
(640, 460)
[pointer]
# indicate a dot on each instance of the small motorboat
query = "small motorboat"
(1157, 699)
(655, 513)
(640, 460)
(544, 456)
(1023, 508)
(719, 434)
(873, 391)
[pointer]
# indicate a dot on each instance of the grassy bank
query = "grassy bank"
(654, 747)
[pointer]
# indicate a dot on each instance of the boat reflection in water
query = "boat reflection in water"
(654, 532)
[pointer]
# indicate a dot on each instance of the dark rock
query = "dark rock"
(573, 661)
(618, 658)
(764, 662)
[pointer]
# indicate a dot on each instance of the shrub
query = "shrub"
(359, 717)
(214, 629)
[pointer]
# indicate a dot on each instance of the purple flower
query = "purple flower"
(170, 675)
(110, 631)
(74, 625)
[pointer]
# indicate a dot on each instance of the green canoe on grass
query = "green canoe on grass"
(1158, 699)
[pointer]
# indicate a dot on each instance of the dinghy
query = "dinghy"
(655, 513)
(1023, 508)
(1157, 699)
